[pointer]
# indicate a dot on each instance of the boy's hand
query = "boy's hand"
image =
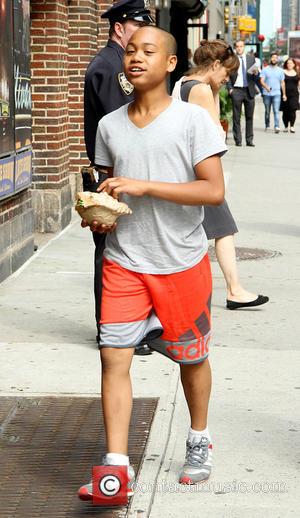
(120, 184)
(98, 227)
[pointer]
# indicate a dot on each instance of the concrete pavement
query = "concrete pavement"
(48, 347)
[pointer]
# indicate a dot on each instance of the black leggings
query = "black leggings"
(288, 116)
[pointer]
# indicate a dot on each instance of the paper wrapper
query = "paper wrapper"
(100, 207)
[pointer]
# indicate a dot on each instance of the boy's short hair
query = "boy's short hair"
(170, 42)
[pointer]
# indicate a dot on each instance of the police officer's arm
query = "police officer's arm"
(207, 189)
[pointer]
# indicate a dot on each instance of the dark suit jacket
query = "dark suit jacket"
(250, 60)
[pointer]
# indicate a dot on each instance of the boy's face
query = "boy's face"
(147, 60)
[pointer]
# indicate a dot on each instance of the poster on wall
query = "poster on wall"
(7, 141)
(22, 170)
(7, 167)
(22, 74)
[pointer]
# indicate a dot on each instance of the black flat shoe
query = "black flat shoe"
(143, 350)
(250, 144)
(232, 304)
(238, 144)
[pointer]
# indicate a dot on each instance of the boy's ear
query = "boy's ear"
(172, 62)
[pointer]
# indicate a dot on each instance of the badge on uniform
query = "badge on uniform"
(126, 86)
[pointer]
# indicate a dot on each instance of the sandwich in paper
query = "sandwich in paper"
(100, 207)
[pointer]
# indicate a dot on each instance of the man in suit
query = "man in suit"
(241, 87)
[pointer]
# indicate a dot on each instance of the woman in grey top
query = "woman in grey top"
(215, 61)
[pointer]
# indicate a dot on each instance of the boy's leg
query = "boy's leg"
(125, 321)
(196, 382)
(116, 397)
(182, 303)
(125, 307)
(116, 405)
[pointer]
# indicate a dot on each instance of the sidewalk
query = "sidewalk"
(47, 347)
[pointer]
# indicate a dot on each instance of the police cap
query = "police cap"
(129, 10)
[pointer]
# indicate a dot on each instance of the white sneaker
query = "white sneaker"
(198, 461)
(277, 130)
(292, 129)
(285, 130)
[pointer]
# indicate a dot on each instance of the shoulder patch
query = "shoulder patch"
(126, 86)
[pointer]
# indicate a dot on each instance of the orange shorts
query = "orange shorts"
(171, 313)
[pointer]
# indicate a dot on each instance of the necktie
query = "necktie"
(244, 73)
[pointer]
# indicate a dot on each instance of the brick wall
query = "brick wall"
(51, 193)
(65, 36)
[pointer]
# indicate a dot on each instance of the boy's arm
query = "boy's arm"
(208, 189)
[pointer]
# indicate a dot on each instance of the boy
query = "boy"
(166, 163)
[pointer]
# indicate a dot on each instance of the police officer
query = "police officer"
(106, 89)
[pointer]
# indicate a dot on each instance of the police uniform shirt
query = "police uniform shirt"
(105, 90)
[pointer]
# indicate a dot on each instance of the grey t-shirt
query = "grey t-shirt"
(160, 237)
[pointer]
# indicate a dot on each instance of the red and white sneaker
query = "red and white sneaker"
(85, 492)
(198, 461)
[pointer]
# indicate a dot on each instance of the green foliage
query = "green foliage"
(225, 105)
